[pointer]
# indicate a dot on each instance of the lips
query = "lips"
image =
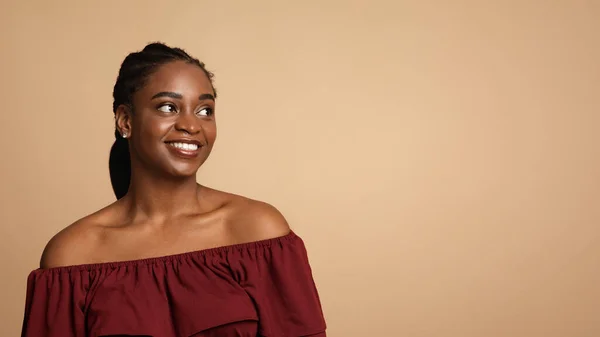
(184, 148)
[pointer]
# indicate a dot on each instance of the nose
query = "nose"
(188, 123)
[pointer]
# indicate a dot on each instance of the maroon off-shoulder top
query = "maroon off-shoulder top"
(262, 288)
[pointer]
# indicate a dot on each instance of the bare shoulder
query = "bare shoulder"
(74, 244)
(254, 220)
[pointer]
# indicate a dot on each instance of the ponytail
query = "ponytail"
(119, 166)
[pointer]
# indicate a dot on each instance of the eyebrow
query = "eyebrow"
(170, 94)
(175, 95)
(204, 97)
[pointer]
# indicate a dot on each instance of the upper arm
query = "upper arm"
(67, 247)
(268, 221)
(257, 220)
(279, 279)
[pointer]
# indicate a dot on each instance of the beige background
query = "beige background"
(440, 158)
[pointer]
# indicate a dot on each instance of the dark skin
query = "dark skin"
(166, 211)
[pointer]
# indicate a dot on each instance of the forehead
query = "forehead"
(180, 77)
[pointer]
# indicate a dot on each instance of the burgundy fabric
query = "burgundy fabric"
(261, 288)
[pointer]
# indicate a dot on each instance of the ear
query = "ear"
(123, 119)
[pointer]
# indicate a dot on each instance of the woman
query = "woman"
(171, 257)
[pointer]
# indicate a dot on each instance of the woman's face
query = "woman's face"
(172, 129)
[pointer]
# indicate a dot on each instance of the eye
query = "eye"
(205, 112)
(169, 108)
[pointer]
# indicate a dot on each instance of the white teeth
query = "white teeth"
(185, 146)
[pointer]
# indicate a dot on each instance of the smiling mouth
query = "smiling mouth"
(184, 146)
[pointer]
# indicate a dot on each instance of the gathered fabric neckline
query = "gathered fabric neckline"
(171, 257)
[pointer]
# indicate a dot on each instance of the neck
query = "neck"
(155, 199)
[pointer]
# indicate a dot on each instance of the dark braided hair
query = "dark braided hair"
(133, 74)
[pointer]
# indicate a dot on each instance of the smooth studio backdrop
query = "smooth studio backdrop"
(441, 159)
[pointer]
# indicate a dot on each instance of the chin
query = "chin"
(182, 168)
(184, 172)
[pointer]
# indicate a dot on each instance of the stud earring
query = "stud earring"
(125, 135)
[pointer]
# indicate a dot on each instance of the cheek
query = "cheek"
(210, 132)
(154, 127)
(150, 132)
